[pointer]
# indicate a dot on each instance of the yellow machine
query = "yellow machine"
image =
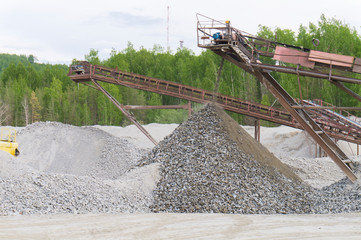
(8, 141)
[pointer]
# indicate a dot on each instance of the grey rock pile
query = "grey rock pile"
(38, 193)
(342, 196)
(204, 169)
(68, 169)
(82, 151)
(211, 165)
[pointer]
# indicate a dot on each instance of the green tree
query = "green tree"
(92, 57)
(53, 101)
(32, 59)
(35, 108)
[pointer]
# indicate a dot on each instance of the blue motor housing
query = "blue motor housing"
(217, 36)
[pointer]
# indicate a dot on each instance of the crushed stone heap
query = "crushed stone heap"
(209, 164)
(82, 151)
(69, 169)
(341, 196)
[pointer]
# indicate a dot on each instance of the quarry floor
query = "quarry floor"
(181, 226)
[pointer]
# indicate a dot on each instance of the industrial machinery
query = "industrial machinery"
(8, 141)
(244, 50)
(93, 73)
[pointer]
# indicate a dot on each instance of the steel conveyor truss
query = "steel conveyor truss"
(85, 73)
(241, 49)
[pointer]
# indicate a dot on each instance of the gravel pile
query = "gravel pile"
(82, 151)
(38, 193)
(342, 196)
(68, 169)
(210, 164)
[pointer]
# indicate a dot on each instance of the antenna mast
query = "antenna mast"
(167, 28)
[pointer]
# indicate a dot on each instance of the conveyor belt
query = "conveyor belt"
(198, 95)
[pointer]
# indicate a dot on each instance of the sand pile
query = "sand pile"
(295, 143)
(210, 164)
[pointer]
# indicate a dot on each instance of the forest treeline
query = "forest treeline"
(31, 92)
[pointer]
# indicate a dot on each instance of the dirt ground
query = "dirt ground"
(181, 226)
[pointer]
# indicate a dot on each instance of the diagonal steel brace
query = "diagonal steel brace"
(125, 112)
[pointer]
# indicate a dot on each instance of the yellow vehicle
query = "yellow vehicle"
(8, 141)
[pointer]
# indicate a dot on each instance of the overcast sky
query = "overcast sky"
(58, 31)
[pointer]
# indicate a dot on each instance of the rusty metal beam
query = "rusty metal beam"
(134, 107)
(257, 130)
(303, 72)
(125, 112)
(328, 107)
(189, 108)
(90, 86)
(346, 90)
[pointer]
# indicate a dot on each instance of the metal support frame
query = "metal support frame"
(187, 106)
(328, 107)
(124, 111)
(335, 80)
(330, 124)
(190, 110)
(299, 83)
(237, 50)
(346, 90)
(145, 107)
(306, 73)
(308, 124)
(257, 130)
